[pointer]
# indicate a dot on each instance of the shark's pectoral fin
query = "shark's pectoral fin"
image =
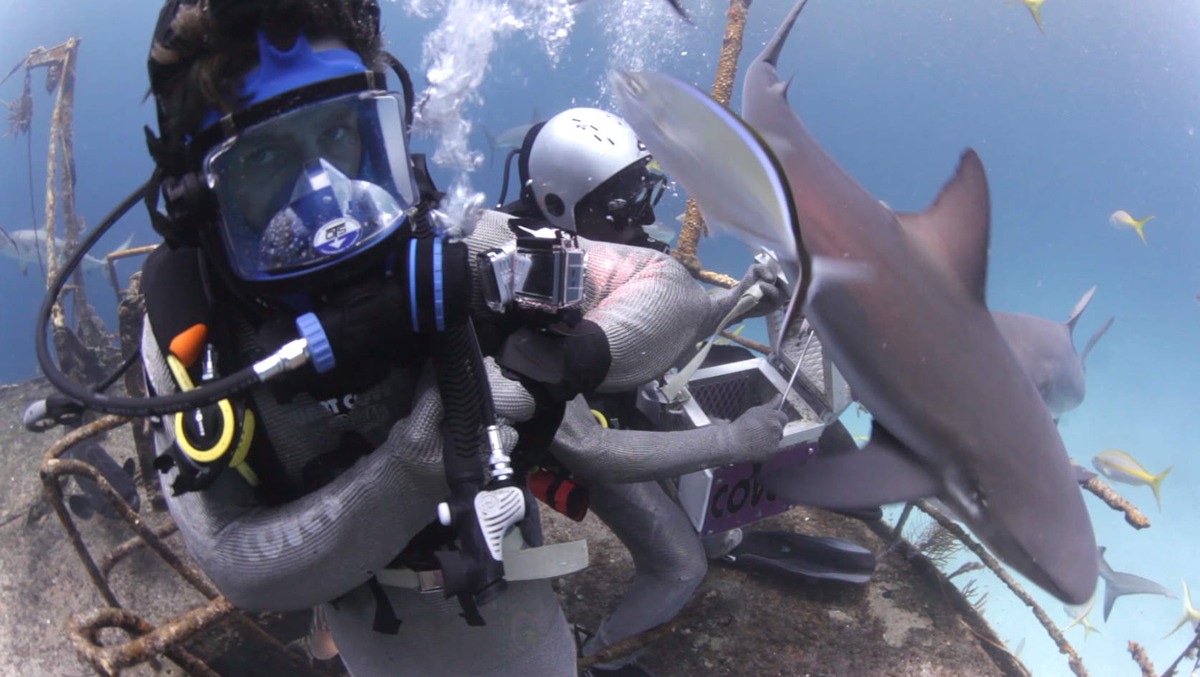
(1092, 341)
(954, 230)
(879, 473)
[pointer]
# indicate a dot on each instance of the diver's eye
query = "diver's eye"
(335, 134)
(263, 156)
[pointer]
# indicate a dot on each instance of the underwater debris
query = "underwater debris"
(966, 568)
(20, 112)
(975, 596)
(1139, 656)
(937, 544)
(1064, 647)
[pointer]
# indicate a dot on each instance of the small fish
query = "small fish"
(1079, 615)
(1119, 466)
(93, 501)
(1190, 613)
(1118, 584)
(1035, 9)
(1122, 219)
(659, 231)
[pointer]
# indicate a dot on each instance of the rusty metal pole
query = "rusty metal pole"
(722, 90)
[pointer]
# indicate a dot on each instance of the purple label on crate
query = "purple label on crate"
(737, 496)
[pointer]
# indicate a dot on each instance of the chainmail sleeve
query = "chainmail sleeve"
(320, 546)
(647, 304)
(649, 307)
(605, 455)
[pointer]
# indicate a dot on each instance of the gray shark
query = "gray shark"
(1046, 351)
(24, 246)
(1118, 584)
(955, 415)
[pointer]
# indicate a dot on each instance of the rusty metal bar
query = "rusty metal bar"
(53, 467)
(84, 630)
(1064, 647)
(55, 496)
(131, 546)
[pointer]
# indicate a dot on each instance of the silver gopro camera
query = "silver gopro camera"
(541, 270)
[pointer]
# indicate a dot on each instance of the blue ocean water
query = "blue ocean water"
(1097, 114)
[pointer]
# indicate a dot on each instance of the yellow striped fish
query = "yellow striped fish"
(1119, 466)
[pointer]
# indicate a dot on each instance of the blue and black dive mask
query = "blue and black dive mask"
(314, 171)
(312, 186)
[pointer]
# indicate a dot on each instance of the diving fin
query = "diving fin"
(80, 506)
(810, 557)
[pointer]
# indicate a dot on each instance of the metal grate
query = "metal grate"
(728, 398)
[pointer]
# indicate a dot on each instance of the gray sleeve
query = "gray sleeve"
(650, 308)
(613, 456)
(316, 548)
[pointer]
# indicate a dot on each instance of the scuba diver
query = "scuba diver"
(585, 171)
(294, 206)
(324, 416)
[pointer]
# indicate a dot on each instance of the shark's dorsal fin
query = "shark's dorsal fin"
(1080, 306)
(954, 230)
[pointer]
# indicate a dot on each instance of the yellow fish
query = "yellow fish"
(1079, 614)
(1035, 8)
(1190, 614)
(1119, 466)
(1122, 219)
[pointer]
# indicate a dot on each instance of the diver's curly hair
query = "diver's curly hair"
(202, 48)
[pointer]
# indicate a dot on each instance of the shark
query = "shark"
(1118, 584)
(25, 245)
(955, 416)
(1046, 350)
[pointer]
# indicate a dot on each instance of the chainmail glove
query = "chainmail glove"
(756, 432)
(775, 292)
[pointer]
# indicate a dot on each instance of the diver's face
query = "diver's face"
(618, 208)
(617, 229)
(270, 161)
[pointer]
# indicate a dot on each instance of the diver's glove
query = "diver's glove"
(755, 434)
(774, 292)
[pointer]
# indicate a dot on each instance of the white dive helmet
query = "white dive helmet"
(574, 152)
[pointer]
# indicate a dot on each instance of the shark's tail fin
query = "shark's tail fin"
(126, 244)
(1092, 341)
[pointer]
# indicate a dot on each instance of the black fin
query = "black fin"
(814, 557)
(81, 507)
